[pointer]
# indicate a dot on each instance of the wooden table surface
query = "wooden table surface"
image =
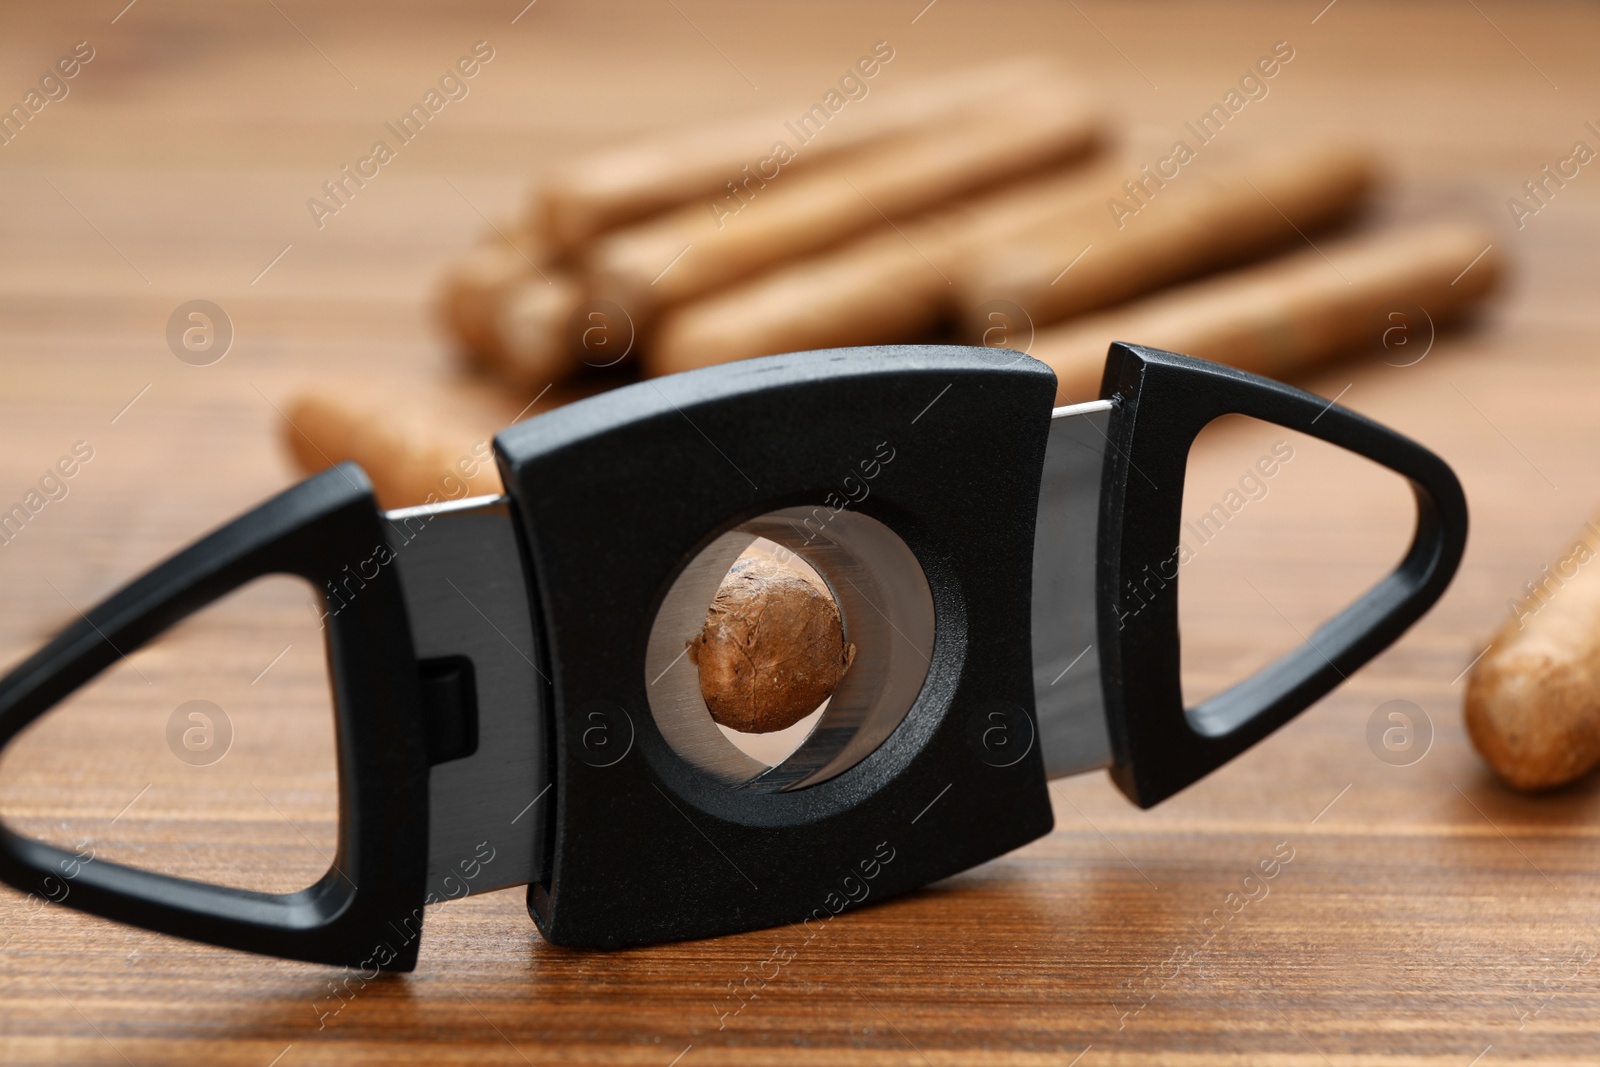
(1426, 915)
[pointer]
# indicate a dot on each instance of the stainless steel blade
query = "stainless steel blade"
(466, 594)
(1073, 735)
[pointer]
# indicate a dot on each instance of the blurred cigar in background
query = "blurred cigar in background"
(1016, 246)
(517, 303)
(1285, 315)
(606, 189)
(1242, 205)
(419, 445)
(508, 304)
(414, 453)
(908, 218)
(889, 286)
(690, 251)
(475, 282)
(1279, 318)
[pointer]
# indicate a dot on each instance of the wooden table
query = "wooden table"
(1427, 914)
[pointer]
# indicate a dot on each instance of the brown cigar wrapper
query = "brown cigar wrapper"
(525, 335)
(1533, 700)
(893, 285)
(610, 188)
(419, 445)
(1010, 248)
(512, 310)
(472, 288)
(1240, 206)
(690, 251)
(533, 328)
(1276, 318)
(518, 328)
(1282, 316)
(880, 291)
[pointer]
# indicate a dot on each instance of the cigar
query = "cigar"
(691, 251)
(899, 286)
(1532, 706)
(610, 188)
(470, 291)
(892, 285)
(472, 284)
(1242, 206)
(879, 290)
(421, 445)
(1278, 318)
(509, 307)
(531, 329)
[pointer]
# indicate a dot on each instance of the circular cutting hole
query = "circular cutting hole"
(886, 610)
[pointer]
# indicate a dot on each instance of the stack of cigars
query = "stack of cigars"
(981, 209)
(995, 206)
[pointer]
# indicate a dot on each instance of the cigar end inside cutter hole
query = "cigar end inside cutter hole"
(887, 612)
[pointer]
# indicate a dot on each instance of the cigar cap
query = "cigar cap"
(475, 283)
(1532, 706)
(530, 330)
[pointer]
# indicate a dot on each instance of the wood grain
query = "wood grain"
(1427, 914)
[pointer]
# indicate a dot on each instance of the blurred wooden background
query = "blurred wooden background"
(1428, 916)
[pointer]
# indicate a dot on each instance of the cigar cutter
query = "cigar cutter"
(513, 701)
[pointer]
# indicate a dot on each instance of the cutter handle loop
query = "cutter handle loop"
(366, 911)
(1163, 401)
